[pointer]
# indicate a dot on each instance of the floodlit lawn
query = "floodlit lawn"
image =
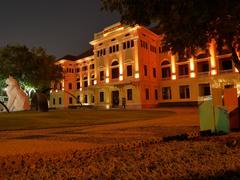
(72, 118)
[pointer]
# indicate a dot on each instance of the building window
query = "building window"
(147, 94)
(115, 73)
(78, 98)
(114, 49)
(129, 70)
(101, 75)
(54, 101)
(132, 43)
(225, 64)
(166, 93)
(154, 73)
(110, 49)
(128, 44)
(92, 79)
(203, 67)
(85, 84)
(85, 99)
(115, 70)
(204, 89)
(78, 85)
(101, 95)
(156, 94)
(145, 70)
(166, 72)
(183, 70)
(184, 92)
(69, 85)
(129, 95)
(77, 70)
(92, 66)
(60, 100)
(70, 100)
(84, 68)
(124, 45)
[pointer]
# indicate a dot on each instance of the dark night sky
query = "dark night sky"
(60, 26)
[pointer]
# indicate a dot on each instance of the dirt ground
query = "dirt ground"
(55, 140)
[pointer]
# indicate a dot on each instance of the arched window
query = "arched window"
(202, 56)
(115, 69)
(115, 63)
(166, 69)
(165, 62)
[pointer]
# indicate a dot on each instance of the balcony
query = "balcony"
(183, 76)
(203, 74)
(225, 71)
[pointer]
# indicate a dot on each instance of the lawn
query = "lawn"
(74, 117)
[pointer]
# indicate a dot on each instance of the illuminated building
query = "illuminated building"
(128, 62)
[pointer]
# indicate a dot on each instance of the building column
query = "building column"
(192, 67)
(136, 59)
(173, 66)
(212, 51)
(120, 62)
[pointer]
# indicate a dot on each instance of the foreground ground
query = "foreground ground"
(113, 145)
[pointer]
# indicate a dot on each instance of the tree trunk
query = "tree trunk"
(235, 59)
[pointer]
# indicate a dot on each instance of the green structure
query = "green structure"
(213, 118)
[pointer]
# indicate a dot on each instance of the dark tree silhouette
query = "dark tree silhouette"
(185, 24)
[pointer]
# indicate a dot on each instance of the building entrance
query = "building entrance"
(115, 98)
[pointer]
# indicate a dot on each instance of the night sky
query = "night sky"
(59, 26)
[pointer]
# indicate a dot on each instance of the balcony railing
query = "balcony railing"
(204, 73)
(226, 71)
(166, 78)
(183, 76)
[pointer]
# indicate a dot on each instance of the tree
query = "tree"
(31, 67)
(186, 25)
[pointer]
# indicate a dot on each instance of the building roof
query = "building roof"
(80, 56)
(86, 54)
(69, 57)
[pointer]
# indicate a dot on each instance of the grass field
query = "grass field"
(113, 144)
(72, 118)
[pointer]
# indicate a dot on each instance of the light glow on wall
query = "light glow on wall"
(174, 77)
(107, 106)
(236, 70)
(80, 89)
(173, 66)
(136, 60)
(107, 79)
(136, 75)
(192, 75)
(192, 64)
(95, 82)
(213, 72)
(120, 77)
(110, 32)
(212, 55)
